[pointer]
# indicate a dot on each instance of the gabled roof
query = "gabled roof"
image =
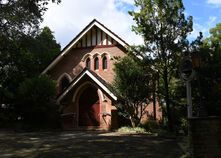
(79, 36)
(93, 76)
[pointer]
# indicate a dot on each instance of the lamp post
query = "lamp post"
(187, 74)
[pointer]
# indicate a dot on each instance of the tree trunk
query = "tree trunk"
(132, 122)
(154, 99)
(167, 99)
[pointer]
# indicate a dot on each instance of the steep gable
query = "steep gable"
(101, 83)
(95, 37)
(94, 34)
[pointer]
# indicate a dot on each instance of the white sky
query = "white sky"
(69, 17)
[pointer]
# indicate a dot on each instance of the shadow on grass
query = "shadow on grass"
(85, 144)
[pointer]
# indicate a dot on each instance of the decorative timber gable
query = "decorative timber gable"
(95, 37)
(94, 34)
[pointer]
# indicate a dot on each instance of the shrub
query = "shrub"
(131, 130)
(36, 103)
(151, 125)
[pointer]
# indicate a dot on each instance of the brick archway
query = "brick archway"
(89, 107)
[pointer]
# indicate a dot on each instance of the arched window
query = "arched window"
(96, 63)
(104, 62)
(88, 63)
(64, 83)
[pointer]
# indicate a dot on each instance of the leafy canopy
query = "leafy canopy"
(164, 28)
(132, 86)
(35, 103)
(210, 72)
(24, 50)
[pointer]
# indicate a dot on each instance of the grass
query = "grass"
(183, 143)
(132, 130)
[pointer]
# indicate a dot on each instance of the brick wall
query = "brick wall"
(72, 63)
(205, 137)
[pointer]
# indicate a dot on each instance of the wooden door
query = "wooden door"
(89, 108)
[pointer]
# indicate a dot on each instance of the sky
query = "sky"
(68, 18)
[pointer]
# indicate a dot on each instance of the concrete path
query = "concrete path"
(86, 144)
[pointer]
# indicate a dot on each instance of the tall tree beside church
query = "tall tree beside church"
(38, 51)
(210, 72)
(164, 28)
(19, 20)
(132, 87)
(47, 46)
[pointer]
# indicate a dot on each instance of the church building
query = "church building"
(83, 72)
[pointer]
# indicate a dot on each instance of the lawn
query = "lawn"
(86, 144)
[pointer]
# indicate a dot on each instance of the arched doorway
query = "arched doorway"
(89, 107)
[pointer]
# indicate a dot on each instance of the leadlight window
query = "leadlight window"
(96, 63)
(88, 63)
(104, 62)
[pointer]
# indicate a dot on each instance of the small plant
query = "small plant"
(131, 130)
(150, 125)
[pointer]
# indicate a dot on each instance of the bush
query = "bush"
(131, 130)
(36, 104)
(151, 125)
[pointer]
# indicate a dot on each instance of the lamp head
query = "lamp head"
(186, 68)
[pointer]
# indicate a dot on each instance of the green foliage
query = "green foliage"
(131, 130)
(215, 38)
(19, 22)
(132, 86)
(36, 104)
(209, 74)
(37, 52)
(150, 125)
(46, 47)
(18, 17)
(164, 28)
(24, 50)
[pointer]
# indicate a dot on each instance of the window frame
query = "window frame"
(104, 63)
(88, 63)
(96, 63)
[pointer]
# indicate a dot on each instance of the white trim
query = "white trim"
(94, 79)
(110, 34)
(95, 23)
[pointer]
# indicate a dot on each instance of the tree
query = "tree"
(209, 73)
(19, 20)
(132, 87)
(47, 46)
(35, 102)
(38, 51)
(164, 28)
(19, 23)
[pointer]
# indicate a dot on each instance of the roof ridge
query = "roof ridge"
(80, 35)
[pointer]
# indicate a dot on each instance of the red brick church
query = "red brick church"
(83, 70)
